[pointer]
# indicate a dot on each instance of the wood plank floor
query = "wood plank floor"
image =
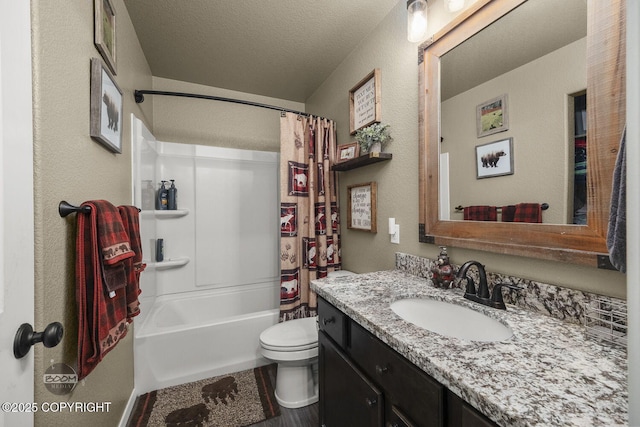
(301, 417)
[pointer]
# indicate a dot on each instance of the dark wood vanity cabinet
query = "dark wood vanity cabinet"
(364, 382)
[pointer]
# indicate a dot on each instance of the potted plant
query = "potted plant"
(373, 138)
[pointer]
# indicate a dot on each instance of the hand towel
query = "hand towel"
(131, 222)
(101, 247)
(508, 213)
(617, 232)
(528, 212)
(480, 213)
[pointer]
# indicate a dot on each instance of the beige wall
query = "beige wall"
(540, 128)
(223, 124)
(70, 166)
(387, 48)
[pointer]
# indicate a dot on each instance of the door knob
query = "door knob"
(26, 337)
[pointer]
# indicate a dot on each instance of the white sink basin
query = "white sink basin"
(451, 320)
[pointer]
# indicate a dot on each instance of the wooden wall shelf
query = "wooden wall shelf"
(364, 160)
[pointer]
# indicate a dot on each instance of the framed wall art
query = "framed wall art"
(348, 152)
(364, 102)
(492, 116)
(105, 31)
(494, 158)
(361, 212)
(106, 107)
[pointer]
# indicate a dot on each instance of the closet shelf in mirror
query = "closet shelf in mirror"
(165, 213)
(364, 160)
(168, 264)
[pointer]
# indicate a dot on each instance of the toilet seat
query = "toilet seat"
(290, 336)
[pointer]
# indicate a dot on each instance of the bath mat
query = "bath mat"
(234, 400)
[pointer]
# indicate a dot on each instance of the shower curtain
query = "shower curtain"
(309, 223)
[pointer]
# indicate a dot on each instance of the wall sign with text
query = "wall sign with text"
(364, 102)
(361, 214)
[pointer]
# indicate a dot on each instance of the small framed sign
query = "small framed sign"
(361, 214)
(364, 102)
(348, 152)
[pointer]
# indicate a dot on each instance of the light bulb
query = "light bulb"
(416, 20)
(454, 5)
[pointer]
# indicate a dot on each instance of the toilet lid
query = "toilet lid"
(292, 335)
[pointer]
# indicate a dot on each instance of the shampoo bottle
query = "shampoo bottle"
(172, 200)
(163, 196)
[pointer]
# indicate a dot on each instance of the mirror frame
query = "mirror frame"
(606, 114)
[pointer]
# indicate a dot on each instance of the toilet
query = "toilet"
(293, 345)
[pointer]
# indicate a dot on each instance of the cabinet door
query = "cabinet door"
(347, 398)
(420, 397)
(461, 414)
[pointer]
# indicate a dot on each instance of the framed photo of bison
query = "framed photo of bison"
(492, 116)
(106, 107)
(494, 158)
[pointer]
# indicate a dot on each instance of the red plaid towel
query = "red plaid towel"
(480, 213)
(134, 266)
(508, 213)
(528, 212)
(101, 246)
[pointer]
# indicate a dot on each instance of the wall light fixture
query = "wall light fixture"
(416, 20)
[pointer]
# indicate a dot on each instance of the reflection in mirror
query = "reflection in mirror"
(539, 96)
(536, 55)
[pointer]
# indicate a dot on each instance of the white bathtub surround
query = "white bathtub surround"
(196, 335)
(204, 307)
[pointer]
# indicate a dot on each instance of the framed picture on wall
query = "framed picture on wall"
(348, 152)
(105, 31)
(494, 158)
(106, 107)
(362, 212)
(364, 102)
(492, 116)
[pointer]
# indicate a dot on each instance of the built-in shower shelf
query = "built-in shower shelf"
(168, 264)
(166, 214)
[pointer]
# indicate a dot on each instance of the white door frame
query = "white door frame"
(16, 209)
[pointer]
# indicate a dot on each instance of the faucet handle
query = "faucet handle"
(471, 285)
(496, 298)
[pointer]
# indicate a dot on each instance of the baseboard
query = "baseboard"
(128, 408)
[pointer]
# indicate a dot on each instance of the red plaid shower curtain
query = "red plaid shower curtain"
(309, 223)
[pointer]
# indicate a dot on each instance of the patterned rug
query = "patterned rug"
(234, 400)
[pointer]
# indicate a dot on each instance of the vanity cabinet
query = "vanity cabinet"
(364, 382)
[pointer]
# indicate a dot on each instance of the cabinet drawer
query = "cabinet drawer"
(419, 396)
(332, 322)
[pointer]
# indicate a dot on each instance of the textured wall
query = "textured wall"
(222, 124)
(387, 48)
(70, 166)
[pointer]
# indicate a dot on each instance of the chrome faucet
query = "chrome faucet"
(481, 294)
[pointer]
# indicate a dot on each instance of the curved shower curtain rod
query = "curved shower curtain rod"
(139, 97)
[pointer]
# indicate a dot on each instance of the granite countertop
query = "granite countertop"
(547, 374)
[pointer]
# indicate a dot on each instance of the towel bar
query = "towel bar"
(65, 208)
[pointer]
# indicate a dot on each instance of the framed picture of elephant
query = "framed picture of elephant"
(106, 107)
(494, 158)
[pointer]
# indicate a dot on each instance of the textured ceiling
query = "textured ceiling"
(277, 48)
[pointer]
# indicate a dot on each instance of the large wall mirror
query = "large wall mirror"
(523, 102)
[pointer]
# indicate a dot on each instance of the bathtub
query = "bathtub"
(196, 335)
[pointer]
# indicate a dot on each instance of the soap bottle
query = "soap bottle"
(442, 271)
(172, 199)
(162, 199)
